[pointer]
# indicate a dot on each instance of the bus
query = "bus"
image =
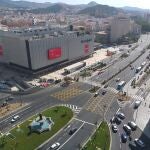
(121, 85)
(138, 69)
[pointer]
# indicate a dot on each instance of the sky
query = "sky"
(117, 3)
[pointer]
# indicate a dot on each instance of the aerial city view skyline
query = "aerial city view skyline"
(74, 75)
(116, 3)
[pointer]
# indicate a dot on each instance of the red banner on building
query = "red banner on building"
(86, 48)
(1, 50)
(54, 53)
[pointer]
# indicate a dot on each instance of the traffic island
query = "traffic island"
(100, 140)
(24, 139)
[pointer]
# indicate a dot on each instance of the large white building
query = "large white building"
(122, 25)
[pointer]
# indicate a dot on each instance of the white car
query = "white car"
(137, 104)
(55, 146)
(15, 118)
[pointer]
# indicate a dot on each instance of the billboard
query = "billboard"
(54, 53)
(86, 48)
(1, 50)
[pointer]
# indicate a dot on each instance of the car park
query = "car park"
(140, 143)
(121, 115)
(15, 118)
(132, 125)
(127, 129)
(114, 128)
(55, 146)
(72, 131)
(123, 138)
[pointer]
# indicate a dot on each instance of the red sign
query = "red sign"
(1, 50)
(54, 53)
(86, 48)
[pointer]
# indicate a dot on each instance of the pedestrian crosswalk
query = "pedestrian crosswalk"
(74, 108)
(112, 90)
(136, 97)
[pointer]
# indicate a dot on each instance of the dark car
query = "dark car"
(117, 120)
(104, 92)
(127, 129)
(72, 131)
(140, 143)
(121, 115)
(57, 81)
(106, 85)
(50, 80)
(123, 138)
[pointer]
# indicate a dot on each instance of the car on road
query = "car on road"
(137, 104)
(123, 138)
(118, 79)
(15, 118)
(114, 128)
(121, 115)
(55, 146)
(132, 125)
(72, 131)
(139, 143)
(104, 92)
(96, 94)
(127, 129)
(117, 120)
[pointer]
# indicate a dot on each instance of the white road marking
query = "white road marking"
(85, 122)
(71, 136)
(5, 120)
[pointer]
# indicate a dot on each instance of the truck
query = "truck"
(74, 67)
(121, 85)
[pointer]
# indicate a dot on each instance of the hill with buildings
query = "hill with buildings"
(101, 11)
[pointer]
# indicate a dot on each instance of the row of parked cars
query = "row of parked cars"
(128, 128)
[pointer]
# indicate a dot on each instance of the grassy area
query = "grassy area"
(100, 140)
(25, 141)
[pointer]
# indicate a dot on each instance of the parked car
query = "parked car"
(104, 92)
(127, 129)
(123, 138)
(114, 128)
(57, 81)
(72, 131)
(139, 142)
(132, 125)
(137, 104)
(118, 79)
(121, 115)
(50, 80)
(55, 146)
(96, 94)
(117, 120)
(15, 118)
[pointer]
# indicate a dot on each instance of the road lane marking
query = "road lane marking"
(71, 137)
(85, 122)
(5, 120)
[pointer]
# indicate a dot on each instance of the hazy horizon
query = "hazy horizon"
(117, 3)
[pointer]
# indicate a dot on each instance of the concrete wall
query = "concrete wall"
(15, 51)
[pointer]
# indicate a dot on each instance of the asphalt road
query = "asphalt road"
(120, 64)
